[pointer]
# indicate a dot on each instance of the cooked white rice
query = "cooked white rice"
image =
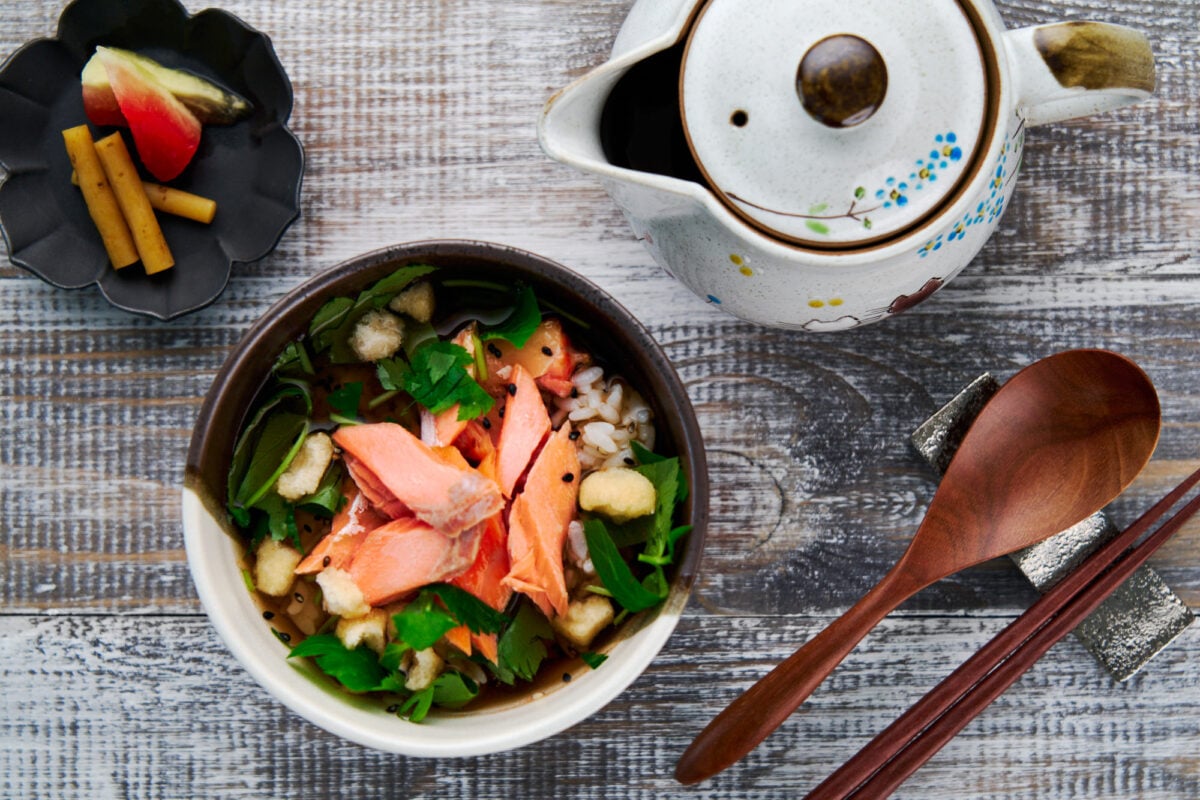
(608, 414)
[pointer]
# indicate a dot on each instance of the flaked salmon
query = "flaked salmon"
(398, 468)
(547, 355)
(406, 554)
(526, 423)
(537, 524)
(350, 526)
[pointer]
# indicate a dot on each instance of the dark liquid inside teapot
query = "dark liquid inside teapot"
(640, 126)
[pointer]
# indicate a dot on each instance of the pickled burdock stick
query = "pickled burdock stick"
(99, 197)
(175, 202)
(131, 196)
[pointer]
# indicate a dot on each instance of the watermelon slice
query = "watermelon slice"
(165, 133)
(211, 104)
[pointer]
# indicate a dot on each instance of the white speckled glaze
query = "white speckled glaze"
(753, 265)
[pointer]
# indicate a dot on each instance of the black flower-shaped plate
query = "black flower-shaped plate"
(252, 168)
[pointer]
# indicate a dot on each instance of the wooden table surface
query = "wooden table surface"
(418, 120)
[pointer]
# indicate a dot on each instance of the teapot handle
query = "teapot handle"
(1074, 69)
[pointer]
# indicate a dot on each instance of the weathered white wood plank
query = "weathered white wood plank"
(153, 706)
(418, 121)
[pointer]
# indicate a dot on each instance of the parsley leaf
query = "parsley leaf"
(469, 610)
(328, 497)
(454, 690)
(358, 669)
(345, 400)
(417, 706)
(437, 379)
(593, 660)
(422, 623)
(519, 325)
(522, 647)
(391, 372)
(614, 572)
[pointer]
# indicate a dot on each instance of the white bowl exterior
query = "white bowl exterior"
(213, 558)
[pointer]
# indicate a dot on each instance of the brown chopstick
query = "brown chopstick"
(888, 759)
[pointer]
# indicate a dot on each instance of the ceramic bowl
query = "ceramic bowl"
(252, 168)
(214, 553)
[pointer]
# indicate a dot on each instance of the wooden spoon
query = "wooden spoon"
(1060, 440)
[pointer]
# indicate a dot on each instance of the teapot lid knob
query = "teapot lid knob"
(841, 81)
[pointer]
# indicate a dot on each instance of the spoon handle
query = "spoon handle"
(764, 706)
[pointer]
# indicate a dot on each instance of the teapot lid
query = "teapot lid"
(835, 125)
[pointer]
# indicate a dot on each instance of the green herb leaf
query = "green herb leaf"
(280, 441)
(522, 647)
(328, 497)
(393, 653)
(454, 690)
(468, 610)
(345, 400)
(280, 517)
(358, 669)
(246, 449)
(334, 322)
(391, 372)
(519, 325)
(593, 660)
(422, 623)
(437, 379)
(614, 573)
(327, 319)
(394, 682)
(294, 358)
(665, 477)
(417, 706)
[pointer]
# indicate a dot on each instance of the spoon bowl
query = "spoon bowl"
(1056, 444)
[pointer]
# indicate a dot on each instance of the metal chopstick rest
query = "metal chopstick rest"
(1137, 621)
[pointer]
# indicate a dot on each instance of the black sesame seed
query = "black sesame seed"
(630, 461)
(326, 561)
(307, 528)
(573, 435)
(574, 392)
(512, 390)
(299, 597)
(392, 709)
(500, 413)
(268, 615)
(494, 350)
(566, 677)
(568, 477)
(487, 424)
(284, 637)
(546, 351)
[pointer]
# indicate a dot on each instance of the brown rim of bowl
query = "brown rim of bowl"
(989, 132)
(232, 395)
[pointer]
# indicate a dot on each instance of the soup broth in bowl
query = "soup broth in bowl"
(451, 484)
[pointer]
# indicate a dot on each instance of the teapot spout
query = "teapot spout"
(569, 127)
(623, 118)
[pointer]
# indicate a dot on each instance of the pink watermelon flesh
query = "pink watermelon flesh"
(100, 105)
(165, 133)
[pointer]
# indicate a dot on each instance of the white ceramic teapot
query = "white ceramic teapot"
(822, 165)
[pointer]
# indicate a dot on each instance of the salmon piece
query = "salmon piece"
(378, 495)
(485, 579)
(547, 355)
(476, 444)
(350, 526)
(537, 525)
(526, 423)
(389, 462)
(406, 554)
